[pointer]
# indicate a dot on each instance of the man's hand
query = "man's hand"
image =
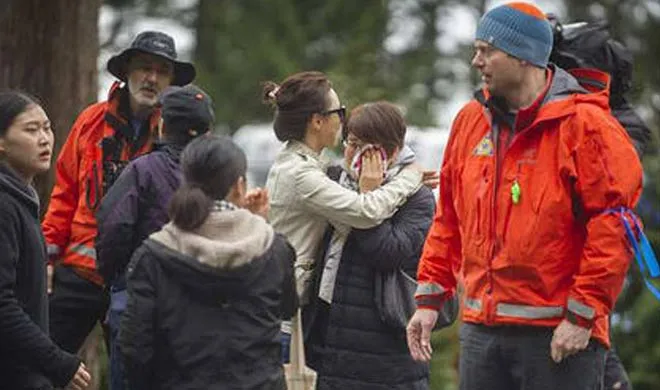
(418, 333)
(371, 174)
(431, 179)
(568, 339)
(81, 380)
(256, 201)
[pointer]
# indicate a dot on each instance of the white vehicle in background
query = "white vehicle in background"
(261, 146)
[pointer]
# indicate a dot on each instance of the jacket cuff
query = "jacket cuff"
(579, 321)
(428, 307)
(67, 368)
(577, 313)
(430, 296)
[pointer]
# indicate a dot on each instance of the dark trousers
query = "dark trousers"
(518, 358)
(118, 300)
(616, 377)
(76, 305)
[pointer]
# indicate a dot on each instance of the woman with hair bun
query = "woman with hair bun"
(303, 200)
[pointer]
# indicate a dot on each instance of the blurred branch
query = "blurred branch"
(115, 29)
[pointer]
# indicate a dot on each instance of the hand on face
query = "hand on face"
(371, 173)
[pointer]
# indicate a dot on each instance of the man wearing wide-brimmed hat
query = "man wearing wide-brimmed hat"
(104, 138)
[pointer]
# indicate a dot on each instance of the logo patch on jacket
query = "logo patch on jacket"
(484, 147)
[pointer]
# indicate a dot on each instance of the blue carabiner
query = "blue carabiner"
(644, 255)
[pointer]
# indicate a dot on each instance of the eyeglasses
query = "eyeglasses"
(341, 112)
(352, 143)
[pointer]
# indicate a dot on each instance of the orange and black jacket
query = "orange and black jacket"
(522, 221)
(100, 144)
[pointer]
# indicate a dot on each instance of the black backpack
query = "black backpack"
(590, 45)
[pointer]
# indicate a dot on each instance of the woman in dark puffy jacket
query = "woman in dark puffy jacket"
(208, 292)
(350, 346)
(28, 357)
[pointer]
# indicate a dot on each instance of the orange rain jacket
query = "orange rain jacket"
(101, 136)
(555, 252)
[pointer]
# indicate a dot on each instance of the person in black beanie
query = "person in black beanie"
(136, 205)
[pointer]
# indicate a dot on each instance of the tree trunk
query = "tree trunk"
(49, 49)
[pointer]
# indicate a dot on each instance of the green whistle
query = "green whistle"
(515, 192)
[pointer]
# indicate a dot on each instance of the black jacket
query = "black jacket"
(205, 308)
(28, 358)
(351, 348)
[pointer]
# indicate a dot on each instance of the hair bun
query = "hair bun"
(269, 94)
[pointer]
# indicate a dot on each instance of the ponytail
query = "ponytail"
(211, 165)
(189, 207)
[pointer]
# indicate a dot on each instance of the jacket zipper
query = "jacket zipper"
(93, 186)
(496, 183)
(495, 247)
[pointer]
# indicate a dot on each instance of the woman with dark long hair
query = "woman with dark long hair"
(30, 360)
(207, 293)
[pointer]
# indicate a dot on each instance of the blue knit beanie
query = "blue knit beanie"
(519, 29)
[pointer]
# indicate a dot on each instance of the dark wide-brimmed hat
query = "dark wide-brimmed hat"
(157, 44)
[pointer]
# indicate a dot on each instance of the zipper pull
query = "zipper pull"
(515, 192)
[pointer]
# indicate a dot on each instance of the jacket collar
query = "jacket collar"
(14, 185)
(118, 115)
(307, 153)
(563, 91)
(172, 150)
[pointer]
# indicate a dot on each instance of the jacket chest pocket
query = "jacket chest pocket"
(523, 196)
(473, 202)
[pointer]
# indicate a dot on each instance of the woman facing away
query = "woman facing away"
(303, 200)
(30, 360)
(351, 345)
(207, 293)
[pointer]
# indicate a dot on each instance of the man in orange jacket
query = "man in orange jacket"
(534, 167)
(104, 138)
